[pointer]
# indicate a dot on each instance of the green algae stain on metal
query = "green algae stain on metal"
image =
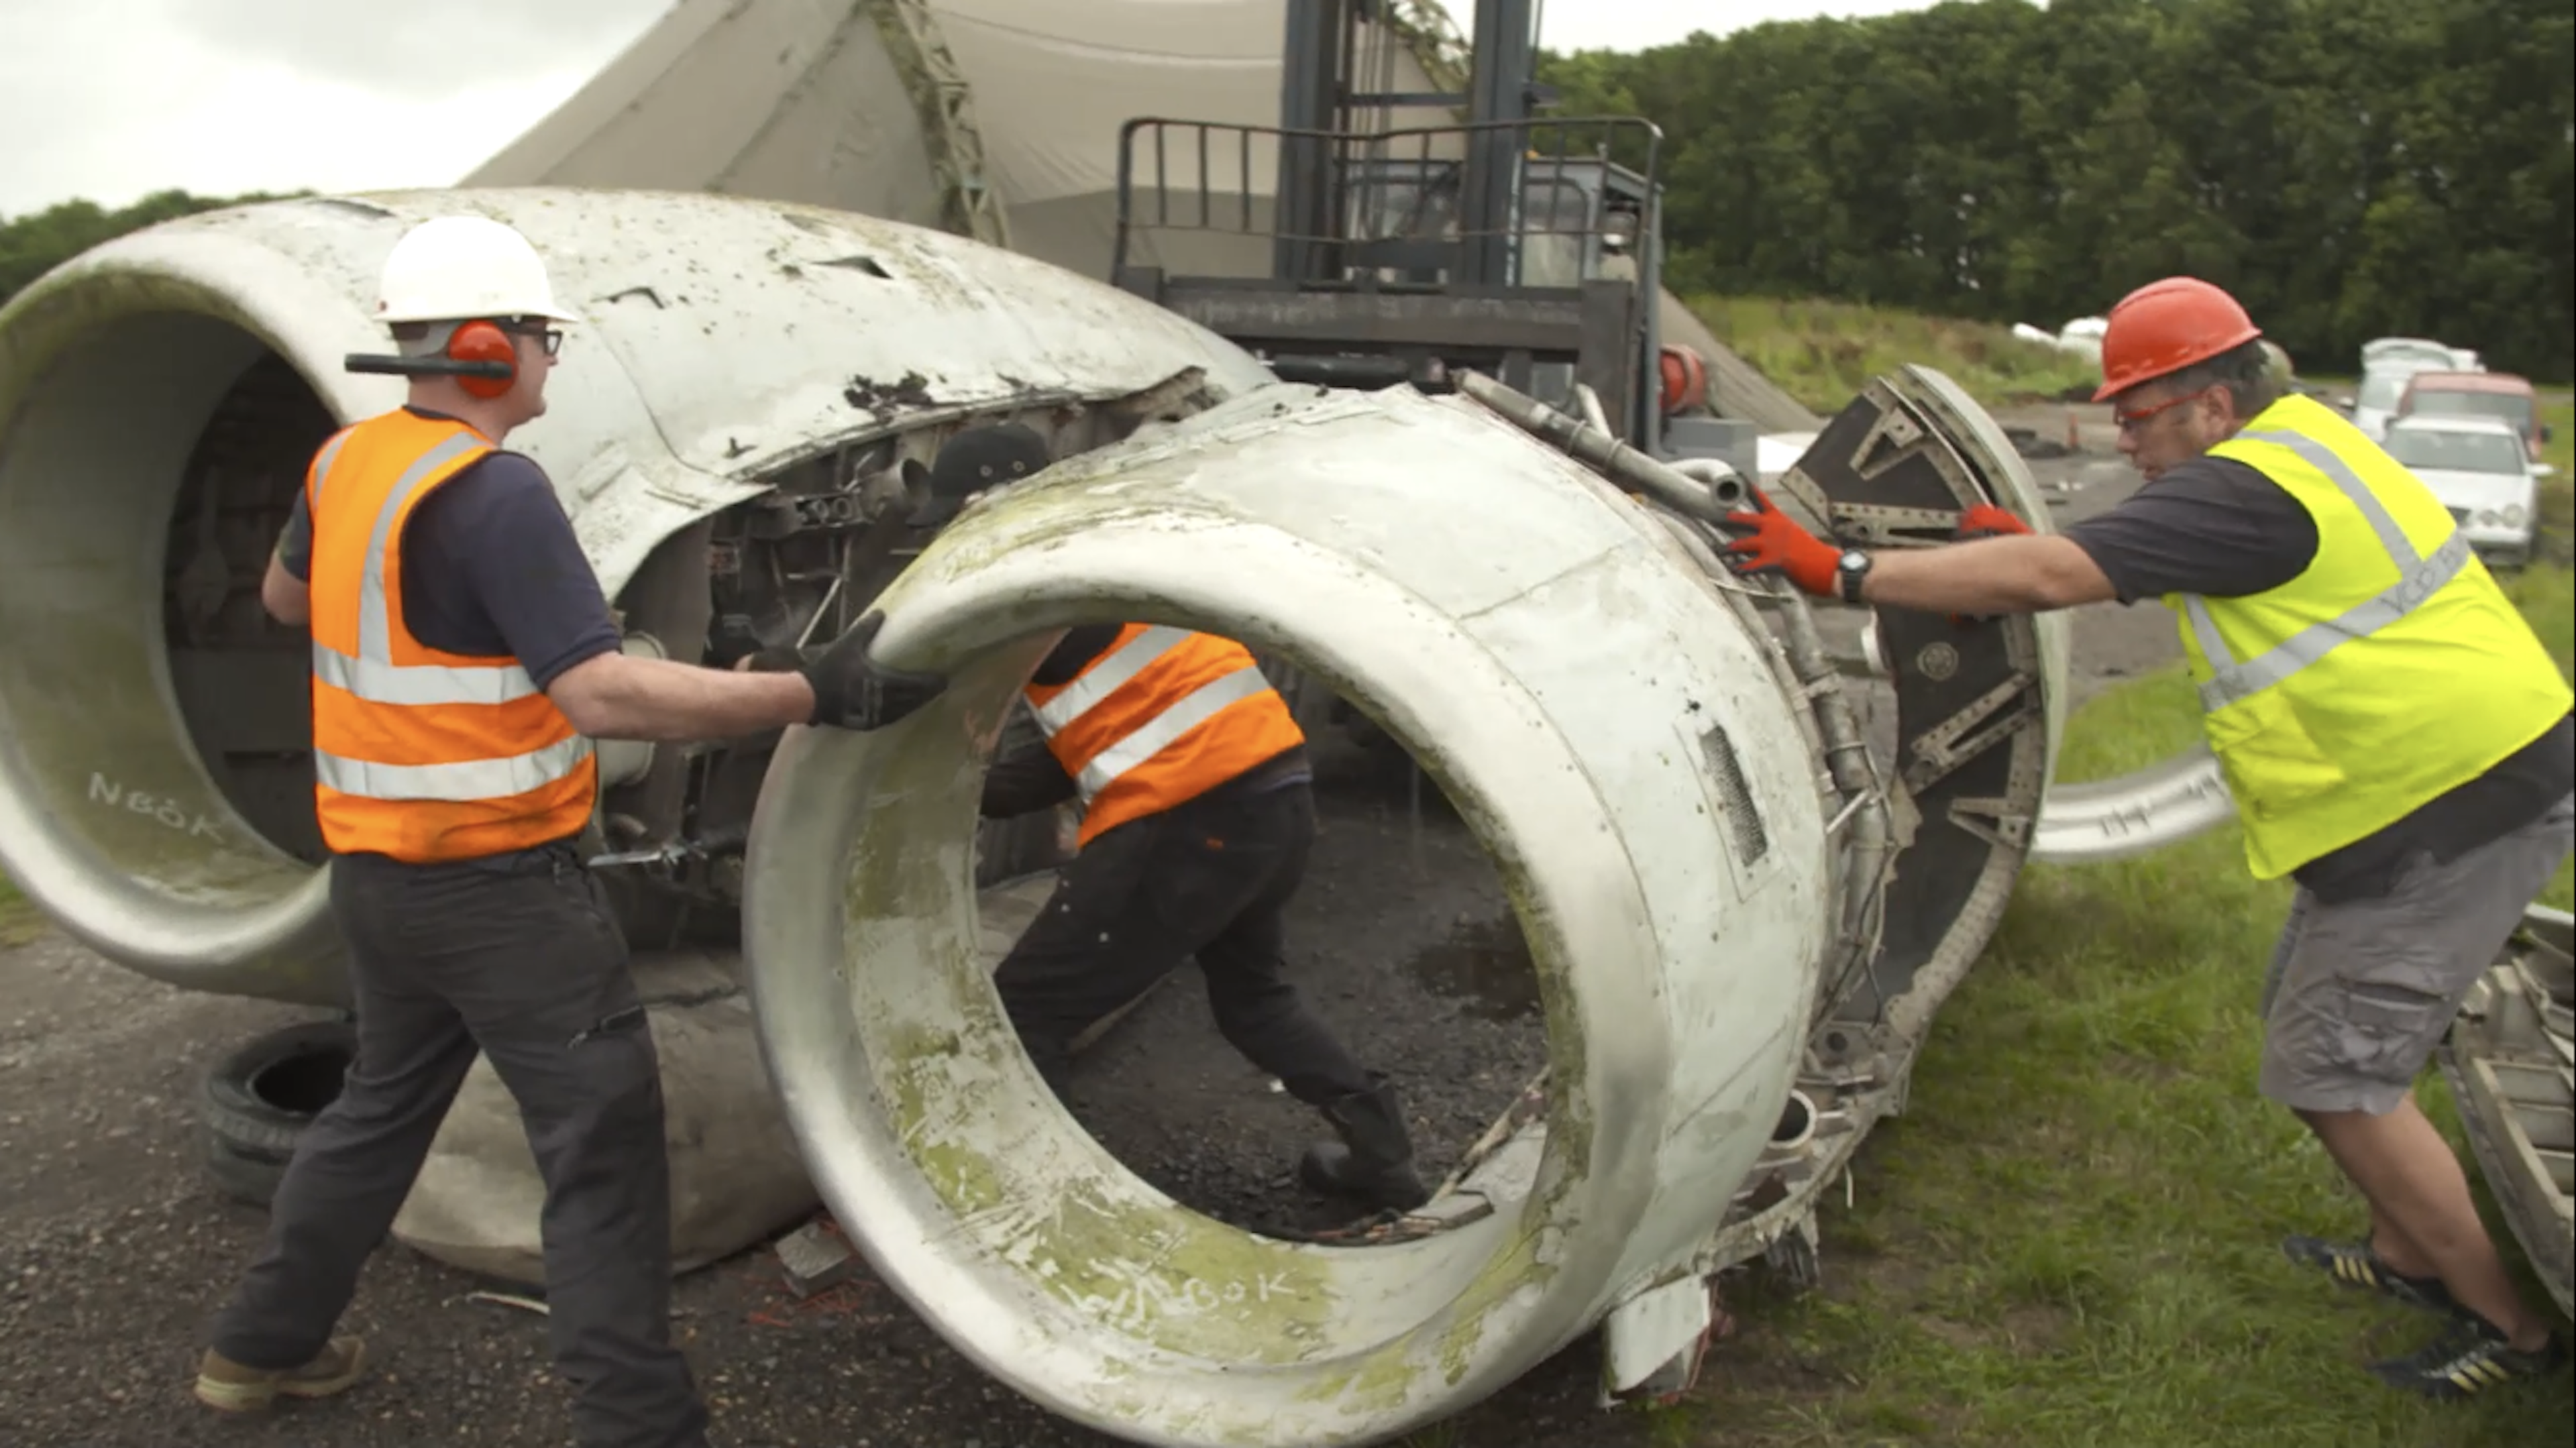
(1160, 1275)
(1391, 1377)
(963, 1177)
(1512, 1272)
(1180, 1282)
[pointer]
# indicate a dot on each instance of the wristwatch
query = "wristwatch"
(1849, 570)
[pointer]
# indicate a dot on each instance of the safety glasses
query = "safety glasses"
(551, 338)
(2130, 421)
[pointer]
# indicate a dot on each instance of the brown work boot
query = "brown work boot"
(223, 1383)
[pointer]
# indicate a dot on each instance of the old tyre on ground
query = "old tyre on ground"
(256, 1102)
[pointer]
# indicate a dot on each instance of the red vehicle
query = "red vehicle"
(2477, 394)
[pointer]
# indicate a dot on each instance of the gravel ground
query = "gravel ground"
(113, 1249)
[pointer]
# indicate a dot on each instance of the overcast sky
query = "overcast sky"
(112, 99)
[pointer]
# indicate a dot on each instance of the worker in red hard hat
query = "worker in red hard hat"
(2397, 741)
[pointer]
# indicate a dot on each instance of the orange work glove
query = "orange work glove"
(1774, 540)
(1985, 520)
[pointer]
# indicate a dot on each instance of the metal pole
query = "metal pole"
(1708, 502)
(1506, 48)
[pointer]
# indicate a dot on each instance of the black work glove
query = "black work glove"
(852, 690)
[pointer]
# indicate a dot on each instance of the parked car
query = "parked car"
(2477, 467)
(2380, 350)
(2375, 402)
(2387, 364)
(2478, 394)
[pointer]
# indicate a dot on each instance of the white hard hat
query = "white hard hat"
(453, 267)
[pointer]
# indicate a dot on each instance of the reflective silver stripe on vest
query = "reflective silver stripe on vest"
(423, 684)
(1103, 678)
(462, 783)
(2419, 578)
(322, 466)
(1149, 739)
(2317, 455)
(375, 628)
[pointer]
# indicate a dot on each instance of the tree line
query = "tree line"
(36, 243)
(2350, 168)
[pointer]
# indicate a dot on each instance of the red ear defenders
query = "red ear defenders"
(479, 356)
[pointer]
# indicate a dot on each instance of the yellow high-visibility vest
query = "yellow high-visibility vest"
(2391, 670)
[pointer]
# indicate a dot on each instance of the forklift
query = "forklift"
(1522, 247)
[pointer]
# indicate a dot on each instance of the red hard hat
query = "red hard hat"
(2166, 326)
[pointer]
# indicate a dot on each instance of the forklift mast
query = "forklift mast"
(1510, 243)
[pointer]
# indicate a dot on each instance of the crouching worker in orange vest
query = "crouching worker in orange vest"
(1198, 817)
(463, 660)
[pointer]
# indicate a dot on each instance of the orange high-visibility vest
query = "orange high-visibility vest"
(1162, 716)
(419, 754)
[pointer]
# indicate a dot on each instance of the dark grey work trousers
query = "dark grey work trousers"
(519, 956)
(1209, 878)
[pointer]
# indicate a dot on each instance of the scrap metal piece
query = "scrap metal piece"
(1653, 1342)
(2100, 820)
(1797, 1256)
(2506, 1061)
(512, 1299)
(815, 1257)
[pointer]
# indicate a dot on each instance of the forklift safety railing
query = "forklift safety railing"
(1399, 206)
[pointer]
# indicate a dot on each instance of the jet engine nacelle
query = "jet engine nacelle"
(1742, 914)
(1747, 884)
(729, 429)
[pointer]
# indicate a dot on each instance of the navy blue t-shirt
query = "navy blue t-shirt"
(490, 566)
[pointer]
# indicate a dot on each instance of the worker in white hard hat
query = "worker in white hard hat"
(463, 660)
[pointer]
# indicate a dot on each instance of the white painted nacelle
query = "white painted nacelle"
(740, 397)
(1741, 925)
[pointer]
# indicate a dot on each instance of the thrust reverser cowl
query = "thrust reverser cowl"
(184, 374)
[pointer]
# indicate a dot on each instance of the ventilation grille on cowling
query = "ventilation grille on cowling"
(1735, 797)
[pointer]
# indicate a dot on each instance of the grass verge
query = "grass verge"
(20, 922)
(1823, 352)
(2070, 1237)
(2558, 492)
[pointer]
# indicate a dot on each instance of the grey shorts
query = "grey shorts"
(2360, 993)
